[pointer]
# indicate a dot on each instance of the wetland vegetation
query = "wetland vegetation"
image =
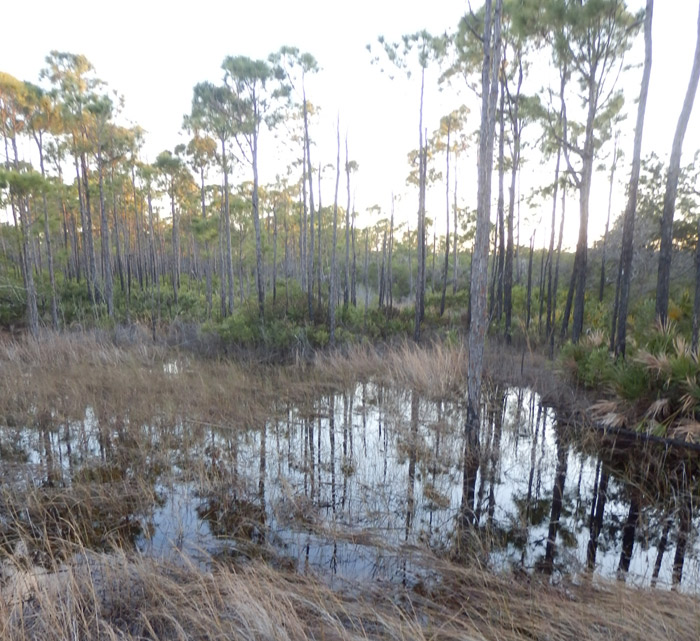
(334, 498)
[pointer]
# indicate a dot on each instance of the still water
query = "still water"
(360, 484)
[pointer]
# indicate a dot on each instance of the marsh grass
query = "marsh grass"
(114, 596)
(69, 572)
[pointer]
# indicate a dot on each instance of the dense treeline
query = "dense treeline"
(96, 235)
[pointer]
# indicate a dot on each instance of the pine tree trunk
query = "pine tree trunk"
(274, 255)
(454, 244)
(366, 276)
(555, 287)
(353, 279)
(601, 290)
(381, 280)
(500, 206)
(256, 223)
(508, 267)
(311, 255)
(410, 265)
(47, 234)
(478, 300)
(666, 249)
(104, 237)
(26, 257)
(88, 235)
(227, 307)
(447, 221)
(346, 283)
(696, 301)
(580, 265)
(332, 296)
(390, 276)
(529, 283)
(176, 241)
(550, 253)
(422, 176)
(619, 328)
(319, 274)
(117, 235)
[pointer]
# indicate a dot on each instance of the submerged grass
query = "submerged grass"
(63, 580)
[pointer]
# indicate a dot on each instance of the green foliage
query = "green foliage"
(655, 389)
(590, 362)
(12, 303)
(631, 381)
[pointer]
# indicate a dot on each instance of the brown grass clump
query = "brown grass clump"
(112, 596)
(48, 382)
(433, 370)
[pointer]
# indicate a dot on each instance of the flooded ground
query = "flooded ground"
(358, 484)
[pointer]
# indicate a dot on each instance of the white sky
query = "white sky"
(153, 52)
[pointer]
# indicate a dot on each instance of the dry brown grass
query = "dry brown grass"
(112, 596)
(53, 380)
(67, 372)
(69, 592)
(434, 370)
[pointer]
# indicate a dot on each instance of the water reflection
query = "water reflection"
(357, 483)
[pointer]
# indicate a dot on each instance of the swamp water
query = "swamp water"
(358, 485)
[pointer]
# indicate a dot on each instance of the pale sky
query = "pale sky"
(153, 52)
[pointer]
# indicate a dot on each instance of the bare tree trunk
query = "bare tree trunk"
(454, 245)
(478, 300)
(500, 206)
(601, 290)
(550, 253)
(422, 176)
(353, 283)
(331, 298)
(696, 302)
(303, 262)
(390, 276)
(432, 267)
(494, 266)
(319, 274)
(117, 235)
(541, 289)
(346, 283)
(447, 221)
(366, 276)
(227, 308)
(556, 273)
(311, 255)
(155, 281)
(26, 258)
(508, 267)
(176, 240)
(529, 282)
(83, 226)
(274, 254)
(286, 262)
(666, 249)
(104, 237)
(139, 227)
(91, 267)
(580, 263)
(256, 223)
(47, 234)
(410, 265)
(381, 279)
(619, 328)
